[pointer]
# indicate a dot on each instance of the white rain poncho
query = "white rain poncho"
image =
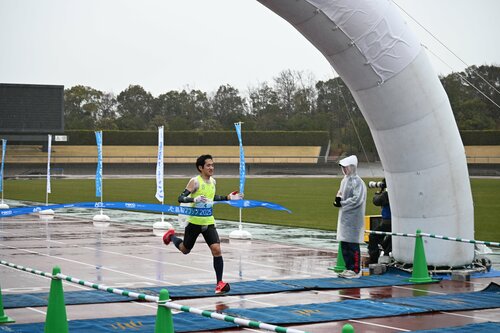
(350, 224)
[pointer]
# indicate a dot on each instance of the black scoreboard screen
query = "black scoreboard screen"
(31, 108)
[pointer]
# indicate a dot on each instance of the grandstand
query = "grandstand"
(81, 159)
(483, 154)
(31, 159)
(173, 154)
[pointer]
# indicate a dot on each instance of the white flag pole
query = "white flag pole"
(4, 148)
(48, 212)
(160, 195)
(160, 170)
(49, 150)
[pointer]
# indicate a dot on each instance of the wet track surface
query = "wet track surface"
(130, 256)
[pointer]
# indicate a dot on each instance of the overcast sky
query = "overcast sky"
(167, 45)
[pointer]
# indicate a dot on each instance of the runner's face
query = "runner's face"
(208, 168)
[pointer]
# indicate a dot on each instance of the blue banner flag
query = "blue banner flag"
(4, 148)
(159, 167)
(98, 173)
(242, 158)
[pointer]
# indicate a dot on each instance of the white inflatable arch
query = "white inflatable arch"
(382, 62)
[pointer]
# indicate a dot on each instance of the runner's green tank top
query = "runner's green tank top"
(208, 190)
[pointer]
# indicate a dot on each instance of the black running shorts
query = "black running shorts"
(192, 231)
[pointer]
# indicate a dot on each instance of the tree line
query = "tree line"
(292, 101)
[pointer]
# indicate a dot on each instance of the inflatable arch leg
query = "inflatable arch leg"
(382, 62)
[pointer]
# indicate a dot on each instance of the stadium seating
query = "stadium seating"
(172, 154)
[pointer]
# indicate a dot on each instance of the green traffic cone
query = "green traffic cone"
(340, 266)
(347, 328)
(4, 319)
(164, 322)
(56, 320)
(420, 274)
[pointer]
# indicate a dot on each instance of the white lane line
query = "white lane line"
(192, 254)
(130, 256)
(378, 325)
(252, 298)
(57, 242)
(145, 304)
(64, 281)
(421, 290)
(478, 283)
(465, 316)
(36, 310)
(185, 266)
(335, 293)
(90, 265)
(140, 258)
(249, 263)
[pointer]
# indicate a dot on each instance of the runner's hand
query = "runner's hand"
(200, 198)
(235, 195)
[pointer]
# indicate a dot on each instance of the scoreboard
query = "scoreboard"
(31, 108)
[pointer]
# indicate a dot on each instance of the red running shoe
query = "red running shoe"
(222, 287)
(168, 236)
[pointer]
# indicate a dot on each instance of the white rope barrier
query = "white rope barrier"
(456, 239)
(150, 298)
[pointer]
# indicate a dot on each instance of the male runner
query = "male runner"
(200, 192)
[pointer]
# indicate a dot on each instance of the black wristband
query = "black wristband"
(220, 198)
(183, 198)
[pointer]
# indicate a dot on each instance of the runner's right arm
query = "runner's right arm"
(191, 187)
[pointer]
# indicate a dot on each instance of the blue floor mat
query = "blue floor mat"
(323, 312)
(393, 278)
(183, 322)
(294, 314)
(453, 302)
(356, 309)
(237, 288)
(471, 328)
(176, 292)
(70, 298)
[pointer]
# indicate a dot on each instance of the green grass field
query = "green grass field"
(309, 199)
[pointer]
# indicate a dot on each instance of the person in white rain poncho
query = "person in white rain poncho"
(351, 199)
